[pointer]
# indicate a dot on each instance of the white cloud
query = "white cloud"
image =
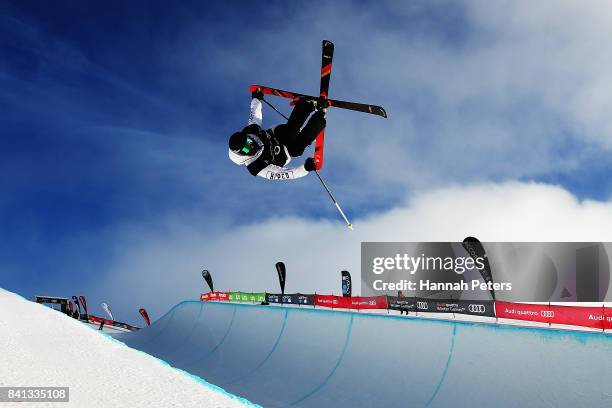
(555, 51)
(160, 266)
(518, 82)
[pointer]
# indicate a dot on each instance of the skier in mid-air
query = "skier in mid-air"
(265, 153)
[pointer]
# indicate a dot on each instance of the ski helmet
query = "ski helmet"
(243, 144)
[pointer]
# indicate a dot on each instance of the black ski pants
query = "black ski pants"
(292, 135)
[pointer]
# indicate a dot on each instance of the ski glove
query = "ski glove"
(257, 94)
(310, 165)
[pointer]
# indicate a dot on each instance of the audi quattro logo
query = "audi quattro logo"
(547, 313)
(422, 305)
(476, 308)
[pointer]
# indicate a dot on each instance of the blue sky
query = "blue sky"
(115, 180)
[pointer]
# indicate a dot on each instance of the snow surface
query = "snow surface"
(42, 347)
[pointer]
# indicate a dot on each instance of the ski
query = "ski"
(354, 106)
(327, 57)
(359, 107)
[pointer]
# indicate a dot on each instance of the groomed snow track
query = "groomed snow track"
(303, 357)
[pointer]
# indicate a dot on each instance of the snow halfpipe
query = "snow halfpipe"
(303, 357)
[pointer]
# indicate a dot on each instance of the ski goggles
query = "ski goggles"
(249, 145)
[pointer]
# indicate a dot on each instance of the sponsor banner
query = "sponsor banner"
(290, 298)
(215, 296)
(240, 297)
(304, 299)
(208, 278)
(608, 317)
(76, 303)
(356, 302)
(347, 284)
(468, 307)
(84, 303)
(523, 311)
(257, 297)
(51, 299)
(247, 297)
(219, 296)
(368, 302)
(474, 247)
(331, 301)
(273, 297)
(97, 319)
(65, 307)
(403, 304)
(223, 296)
(282, 275)
(145, 315)
(594, 317)
(107, 309)
(233, 297)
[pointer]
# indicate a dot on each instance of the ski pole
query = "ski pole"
(276, 110)
(348, 223)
